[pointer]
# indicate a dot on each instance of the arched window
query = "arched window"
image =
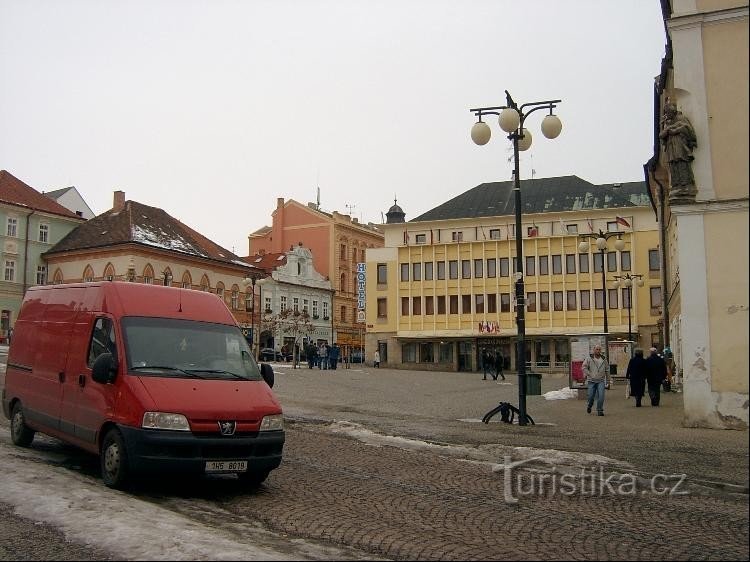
(235, 297)
(187, 281)
(205, 284)
(167, 277)
(88, 274)
(57, 278)
(109, 272)
(148, 274)
(220, 290)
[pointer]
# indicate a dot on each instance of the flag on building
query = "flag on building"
(533, 231)
(591, 225)
(622, 221)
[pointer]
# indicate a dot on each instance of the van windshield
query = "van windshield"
(168, 347)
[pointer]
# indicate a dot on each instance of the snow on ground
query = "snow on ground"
(562, 394)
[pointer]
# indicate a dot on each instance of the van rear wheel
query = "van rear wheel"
(20, 433)
(114, 460)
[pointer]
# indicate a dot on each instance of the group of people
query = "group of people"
(642, 373)
(322, 356)
(493, 364)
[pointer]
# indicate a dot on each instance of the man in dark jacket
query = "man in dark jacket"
(637, 375)
(656, 372)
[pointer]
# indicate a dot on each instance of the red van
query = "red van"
(150, 378)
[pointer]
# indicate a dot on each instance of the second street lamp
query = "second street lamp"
(627, 282)
(511, 118)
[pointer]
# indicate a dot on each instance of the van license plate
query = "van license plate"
(226, 466)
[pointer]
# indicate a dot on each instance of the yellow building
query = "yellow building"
(701, 199)
(441, 290)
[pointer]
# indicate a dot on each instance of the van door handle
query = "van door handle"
(61, 377)
(81, 380)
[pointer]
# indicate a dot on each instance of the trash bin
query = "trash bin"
(533, 384)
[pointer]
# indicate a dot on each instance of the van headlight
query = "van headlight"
(272, 423)
(161, 420)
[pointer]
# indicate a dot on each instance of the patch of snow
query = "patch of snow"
(562, 394)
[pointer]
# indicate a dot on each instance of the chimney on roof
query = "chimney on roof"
(119, 201)
(279, 202)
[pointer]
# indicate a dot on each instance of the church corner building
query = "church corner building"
(442, 288)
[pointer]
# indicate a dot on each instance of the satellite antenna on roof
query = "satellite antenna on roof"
(350, 208)
(318, 201)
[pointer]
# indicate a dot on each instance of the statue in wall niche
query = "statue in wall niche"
(678, 138)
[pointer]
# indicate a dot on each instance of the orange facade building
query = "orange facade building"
(338, 243)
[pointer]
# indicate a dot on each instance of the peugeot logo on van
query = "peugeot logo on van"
(227, 427)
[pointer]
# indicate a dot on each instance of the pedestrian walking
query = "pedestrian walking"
(596, 369)
(376, 359)
(499, 360)
(636, 374)
(323, 357)
(656, 373)
(333, 356)
(486, 363)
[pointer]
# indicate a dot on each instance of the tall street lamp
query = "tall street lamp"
(511, 118)
(601, 244)
(251, 280)
(627, 282)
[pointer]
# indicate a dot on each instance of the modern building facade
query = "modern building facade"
(442, 288)
(31, 225)
(143, 244)
(698, 181)
(338, 244)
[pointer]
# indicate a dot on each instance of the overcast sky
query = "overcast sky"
(211, 110)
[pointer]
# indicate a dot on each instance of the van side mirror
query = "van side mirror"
(266, 372)
(104, 369)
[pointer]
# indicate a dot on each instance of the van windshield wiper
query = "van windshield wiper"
(166, 368)
(218, 371)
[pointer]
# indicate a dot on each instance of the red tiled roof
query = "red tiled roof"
(267, 262)
(15, 192)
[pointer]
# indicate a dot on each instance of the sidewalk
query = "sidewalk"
(448, 407)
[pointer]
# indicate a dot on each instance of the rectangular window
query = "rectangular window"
(585, 300)
(404, 272)
(557, 264)
(428, 267)
(492, 303)
(404, 306)
(446, 352)
(416, 306)
(12, 227)
(530, 265)
(655, 295)
(409, 352)
(531, 302)
(625, 260)
(612, 226)
(429, 305)
(457, 236)
(416, 270)
(479, 304)
(315, 310)
(306, 306)
(382, 274)
(653, 260)
(427, 352)
(41, 275)
(43, 232)
(453, 269)
(504, 302)
(598, 265)
(441, 304)
(465, 304)
(558, 299)
(611, 261)
(342, 256)
(453, 303)
(504, 271)
(583, 263)
(491, 268)
(295, 304)
(572, 305)
(325, 310)
(478, 269)
(234, 300)
(543, 265)
(571, 228)
(465, 269)
(612, 299)
(626, 297)
(494, 234)
(268, 304)
(598, 299)
(421, 238)
(544, 301)
(570, 263)
(382, 308)
(441, 270)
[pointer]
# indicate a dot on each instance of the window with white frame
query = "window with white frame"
(305, 306)
(44, 233)
(315, 309)
(282, 306)
(235, 299)
(295, 304)
(267, 306)
(325, 309)
(41, 275)
(10, 270)
(457, 236)
(12, 226)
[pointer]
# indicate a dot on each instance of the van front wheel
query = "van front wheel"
(20, 433)
(114, 460)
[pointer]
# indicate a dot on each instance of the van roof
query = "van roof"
(122, 298)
